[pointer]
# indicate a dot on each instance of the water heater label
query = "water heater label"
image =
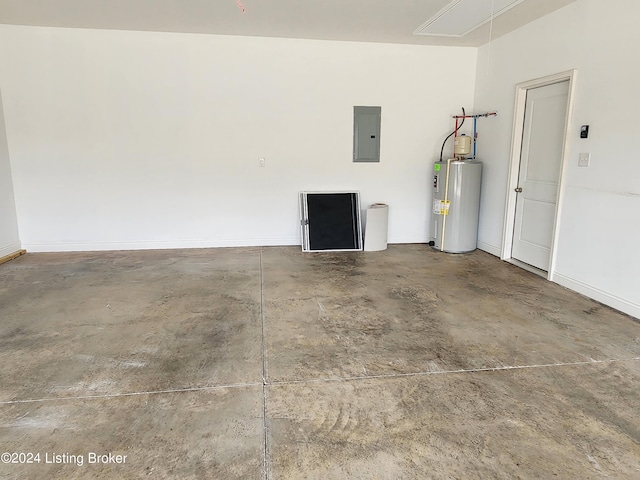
(441, 207)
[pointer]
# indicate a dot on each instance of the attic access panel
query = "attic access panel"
(330, 221)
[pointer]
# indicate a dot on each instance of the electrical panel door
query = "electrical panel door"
(366, 134)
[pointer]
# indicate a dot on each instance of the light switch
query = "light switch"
(584, 159)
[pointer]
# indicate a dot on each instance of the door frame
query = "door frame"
(514, 166)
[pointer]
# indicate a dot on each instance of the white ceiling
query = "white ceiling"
(385, 21)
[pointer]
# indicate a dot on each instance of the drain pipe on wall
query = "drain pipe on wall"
(446, 184)
(446, 202)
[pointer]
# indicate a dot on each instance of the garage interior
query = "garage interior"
(165, 322)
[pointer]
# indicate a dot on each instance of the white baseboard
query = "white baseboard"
(176, 244)
(492, 249)
(406, 239)
(6, 250)
(601, 296)
(156, 245)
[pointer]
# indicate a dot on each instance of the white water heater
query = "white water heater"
(456, 204)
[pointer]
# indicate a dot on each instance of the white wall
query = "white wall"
(9, 240)
(151, 140)
(600, 225)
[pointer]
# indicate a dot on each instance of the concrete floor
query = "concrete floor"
(267, 363)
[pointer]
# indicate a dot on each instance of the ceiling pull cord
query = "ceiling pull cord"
(493, 4)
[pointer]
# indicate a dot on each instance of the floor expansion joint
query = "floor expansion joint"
(265, 383)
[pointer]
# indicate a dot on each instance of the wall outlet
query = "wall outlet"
(584, 159)
(262, 161)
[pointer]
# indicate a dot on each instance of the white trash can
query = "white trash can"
(376, 227)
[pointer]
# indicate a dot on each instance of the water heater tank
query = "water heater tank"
(460, 206)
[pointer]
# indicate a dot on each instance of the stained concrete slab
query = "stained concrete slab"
(528, 423)
(411, 309)
(191, 435)
(107, 323)
(269, 363)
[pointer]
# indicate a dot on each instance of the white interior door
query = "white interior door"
(540, 166)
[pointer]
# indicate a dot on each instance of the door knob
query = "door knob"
(519, 190)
